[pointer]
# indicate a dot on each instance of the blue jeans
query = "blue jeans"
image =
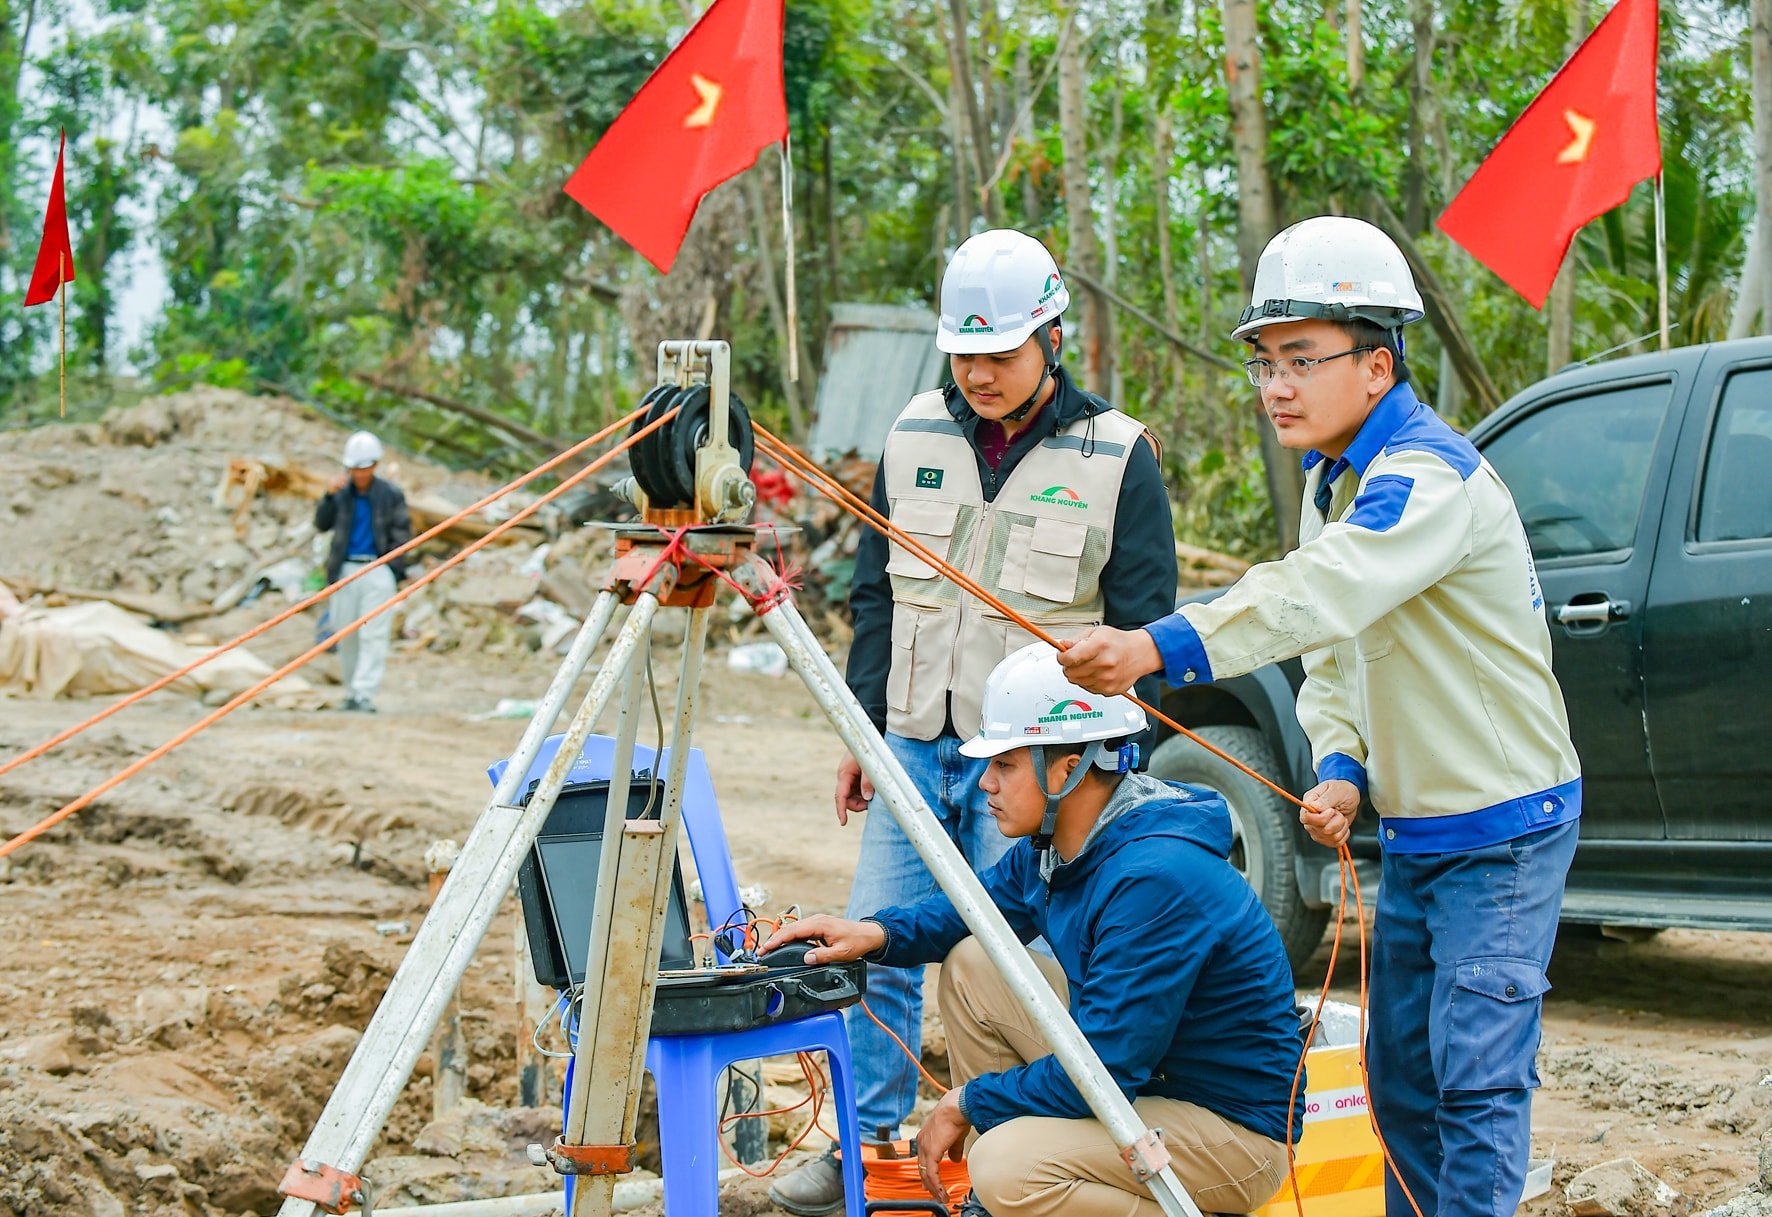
(1459, 953)
(888, 873)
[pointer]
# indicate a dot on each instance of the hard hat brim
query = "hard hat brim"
(985, 344)
(1246, 331)
(980, 748)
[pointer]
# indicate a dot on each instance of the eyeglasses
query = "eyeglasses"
(1295, 370)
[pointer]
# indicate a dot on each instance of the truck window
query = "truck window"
(1735, 503)
(1577, 468)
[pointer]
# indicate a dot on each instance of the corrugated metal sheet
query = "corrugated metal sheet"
(877, 357)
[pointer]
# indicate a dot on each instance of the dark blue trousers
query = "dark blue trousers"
(1459, 954)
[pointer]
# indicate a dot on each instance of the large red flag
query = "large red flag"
(1573, 155)
(714, 103)
(55, 256)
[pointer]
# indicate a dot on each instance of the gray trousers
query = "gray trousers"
(363, 655)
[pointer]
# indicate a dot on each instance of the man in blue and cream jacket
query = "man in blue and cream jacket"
(1428, 689)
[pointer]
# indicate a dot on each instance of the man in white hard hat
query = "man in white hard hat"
(1044, 494)
(1171, 968)
(367, 517)
(1413, 599)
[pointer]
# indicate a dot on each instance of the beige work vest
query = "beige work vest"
(1039, 546)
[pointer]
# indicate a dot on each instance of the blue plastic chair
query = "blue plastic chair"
(687, 1068)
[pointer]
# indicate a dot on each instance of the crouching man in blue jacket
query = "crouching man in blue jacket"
(1169, 965)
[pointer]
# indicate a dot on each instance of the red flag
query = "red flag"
(55, 256)
(714, 103)
(1573, 155)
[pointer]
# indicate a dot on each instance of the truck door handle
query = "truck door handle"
(1599, 611)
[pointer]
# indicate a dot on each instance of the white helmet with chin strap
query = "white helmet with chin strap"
(1029, 703)
(1332, 268)
(1001, 288)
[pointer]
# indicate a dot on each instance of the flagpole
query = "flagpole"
(61, 273)
(787, 230)
(1661, 253)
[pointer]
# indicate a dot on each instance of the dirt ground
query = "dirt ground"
(188, 963)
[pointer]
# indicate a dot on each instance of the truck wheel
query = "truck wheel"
(1264, 843)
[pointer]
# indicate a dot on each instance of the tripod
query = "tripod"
(688, 548)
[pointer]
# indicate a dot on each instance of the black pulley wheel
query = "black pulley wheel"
(652, 467)
(689, 431)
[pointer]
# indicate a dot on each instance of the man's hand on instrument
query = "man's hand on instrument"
(1109, 661)
(839, 939)
(1328, 815)
(853, 788)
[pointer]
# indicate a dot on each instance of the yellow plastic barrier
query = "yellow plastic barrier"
(1338, 1163)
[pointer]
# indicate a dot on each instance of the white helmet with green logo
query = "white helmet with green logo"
(1029, 703)
(1334, 268)
(1001, 287)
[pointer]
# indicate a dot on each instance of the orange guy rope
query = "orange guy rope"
(433, 531)
(86, 800)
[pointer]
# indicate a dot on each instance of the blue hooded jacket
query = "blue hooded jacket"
(1177, 975)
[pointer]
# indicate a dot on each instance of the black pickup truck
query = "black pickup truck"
(1646, 489)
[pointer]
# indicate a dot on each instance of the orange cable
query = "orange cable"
(815, 1084)
(1316, 1019)
(915, 1060)
(86, 800)
(429, 533)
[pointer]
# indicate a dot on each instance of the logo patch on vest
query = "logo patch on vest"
(929, 479)
(1059, 496)
(975, 325)
(1071, 711)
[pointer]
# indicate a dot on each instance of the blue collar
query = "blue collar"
(1387, 418)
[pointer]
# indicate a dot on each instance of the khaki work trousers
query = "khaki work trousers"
(1038, 1166)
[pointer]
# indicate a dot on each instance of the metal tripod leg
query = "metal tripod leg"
(382, 1062)
(1142, 1148)
(621, 967)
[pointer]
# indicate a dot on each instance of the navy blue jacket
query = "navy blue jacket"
(390, 524)
(1177, 975)
(1137, 584)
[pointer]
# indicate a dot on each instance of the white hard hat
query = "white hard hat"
(361, 451)
(1332, 268)
(999, 288)
(1028, 700)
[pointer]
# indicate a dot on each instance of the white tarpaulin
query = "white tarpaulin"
(94, 649)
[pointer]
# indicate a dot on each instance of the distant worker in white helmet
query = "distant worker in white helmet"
(1047, 496)
(367, 517)
(1170, 966)
(1428, 691)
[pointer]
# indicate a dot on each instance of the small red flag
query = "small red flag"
(55, 256)
(1573, 155)
(714, 103)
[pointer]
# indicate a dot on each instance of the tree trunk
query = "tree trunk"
(1421, 96)
(1084, 254)
(1111, 244)
(1256, 225)
(772, 296)
(1560, 317)
(965, 200)
(1756, 277)
(1356, 50)
(1024, 83)
(966, 108)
